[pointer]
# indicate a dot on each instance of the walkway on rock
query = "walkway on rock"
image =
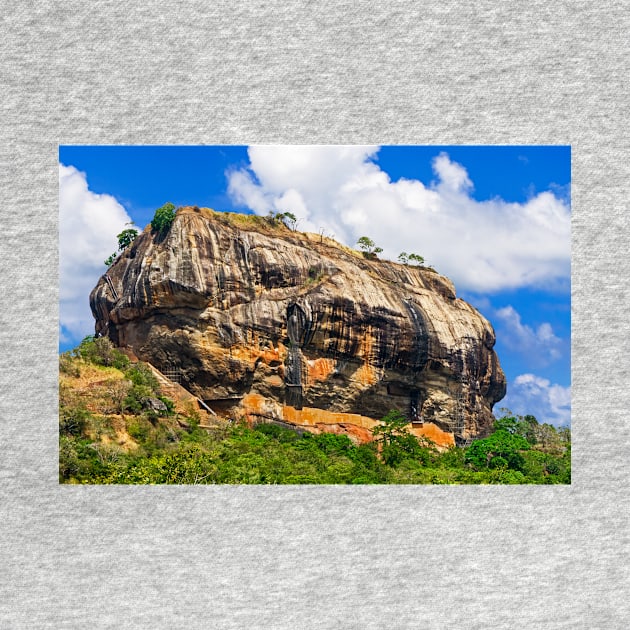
(179, 393)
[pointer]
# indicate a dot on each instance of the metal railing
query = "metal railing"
(173, 374)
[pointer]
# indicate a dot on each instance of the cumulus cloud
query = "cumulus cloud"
(482, 245)
(531, 394)
(541, 345)
(88, 225)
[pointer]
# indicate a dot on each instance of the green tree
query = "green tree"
(395, 440)
(501, 444)
(406, 258)
(163, 219)
(416, 259)
(126, 237)
(369, 247)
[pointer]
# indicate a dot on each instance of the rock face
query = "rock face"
(260, 321)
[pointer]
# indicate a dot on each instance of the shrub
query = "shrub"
(282, 434)
(369, 247)
(452, 458)
(163, 219)
(365, 455)
(68, 366)
(170, 405)
(139, 429)
(134, 400)
(69, 464)
(144, 385)
(101, 351)
(397, 443)
(498, 462)
(73, 420)
(121, 361)
(140, 374)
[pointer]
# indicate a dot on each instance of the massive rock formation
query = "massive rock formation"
(270, 324)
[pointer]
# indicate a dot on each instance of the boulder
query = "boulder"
(271, 324)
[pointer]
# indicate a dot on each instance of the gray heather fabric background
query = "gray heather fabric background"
(314, 557)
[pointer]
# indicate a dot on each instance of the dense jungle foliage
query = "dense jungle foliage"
(115, 427)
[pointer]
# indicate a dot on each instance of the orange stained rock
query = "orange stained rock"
(366, 345)
(309, 416)
(356, 425)
(320, 369)
(274, 380)
(254, 403)
(357, 434)
(366, 374)
(270, 354)
(433, 432)
(252, 353)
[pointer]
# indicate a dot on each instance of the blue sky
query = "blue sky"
(494, 219)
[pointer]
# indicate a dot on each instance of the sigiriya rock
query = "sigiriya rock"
(270, 324)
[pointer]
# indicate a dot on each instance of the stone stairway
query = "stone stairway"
(182, 398)
(179, 394)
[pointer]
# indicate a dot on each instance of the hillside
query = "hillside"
(117, 426)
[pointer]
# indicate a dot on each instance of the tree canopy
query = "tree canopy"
(126, 237)
(163, 218)
(368, 246)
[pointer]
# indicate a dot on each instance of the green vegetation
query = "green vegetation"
(163, 219)
(125, 238)
(369, 248)
(414, 259)
(98, 351)
(526, 451)
(397, 444)
(112, 430)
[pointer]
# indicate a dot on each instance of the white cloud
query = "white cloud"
(246, 193)
(453, 176)
(483, 246)
(88, 225)
(531, 394)
(541, 346)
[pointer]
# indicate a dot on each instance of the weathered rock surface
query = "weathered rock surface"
(274, 324)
